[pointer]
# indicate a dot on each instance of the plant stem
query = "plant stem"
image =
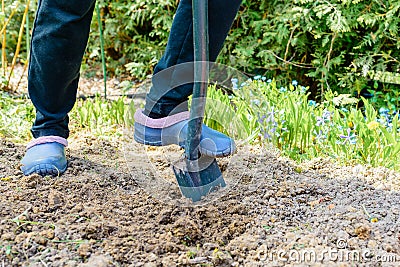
(9, 18)
(3, 44)
(21, 31)
(365, 211)
(27, 36)
(3, 54)
(103, 59)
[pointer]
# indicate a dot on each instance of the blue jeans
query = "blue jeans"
(58, 43)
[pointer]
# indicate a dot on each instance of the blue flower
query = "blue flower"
(235, 83)
(319, 136)
(350, 138)
(257, 77)
(269, 81)
(294, 83)
(320, 121)
(312, 103)
(326, 115)
(282, 89)
(267, 136)
(261, 119)
(383, 111)
(344, 110)
(263, 78)
(271, 116)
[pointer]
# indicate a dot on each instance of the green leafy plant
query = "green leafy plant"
(16, 117)
(135, 33)
(339, 45)
(101, 116)
(302, 129)
(15, 24)
(229, 115)
(317, 42)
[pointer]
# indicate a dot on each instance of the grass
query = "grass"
(22, 223)
(101, 116)
(258, 111)
(16, 117)
(98, 116)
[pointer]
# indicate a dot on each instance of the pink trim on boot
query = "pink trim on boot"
(160, 123)
(47, 139)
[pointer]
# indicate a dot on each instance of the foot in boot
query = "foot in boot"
(173, 130)
(45, 156)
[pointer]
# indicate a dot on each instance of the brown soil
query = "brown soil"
(118, 205)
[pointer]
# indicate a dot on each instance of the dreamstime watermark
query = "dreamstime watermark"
(312, 255)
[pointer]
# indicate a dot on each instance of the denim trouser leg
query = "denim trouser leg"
(163, 96)
(59, 40)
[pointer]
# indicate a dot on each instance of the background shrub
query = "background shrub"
(347, 46)
(136, 33)
(336, 44)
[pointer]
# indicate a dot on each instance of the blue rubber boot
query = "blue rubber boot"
(173, 130)
(45, 159)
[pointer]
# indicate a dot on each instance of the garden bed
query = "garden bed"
(96, 214)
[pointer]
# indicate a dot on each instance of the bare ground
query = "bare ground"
(117, 205)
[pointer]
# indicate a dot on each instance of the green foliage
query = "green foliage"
(15, 23)
(136, 34)
(16, 116)
(102, 117)
(302, 130)
(98, 116)
(338, 45)
(229, 115)
(11, 17)
(325, 44)
(386, 96)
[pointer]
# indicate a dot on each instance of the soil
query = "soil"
(118, 205)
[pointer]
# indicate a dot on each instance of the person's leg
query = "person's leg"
(172, 82)
(163, 96)
(58, 42)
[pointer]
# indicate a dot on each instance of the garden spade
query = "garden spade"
(197, 174)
